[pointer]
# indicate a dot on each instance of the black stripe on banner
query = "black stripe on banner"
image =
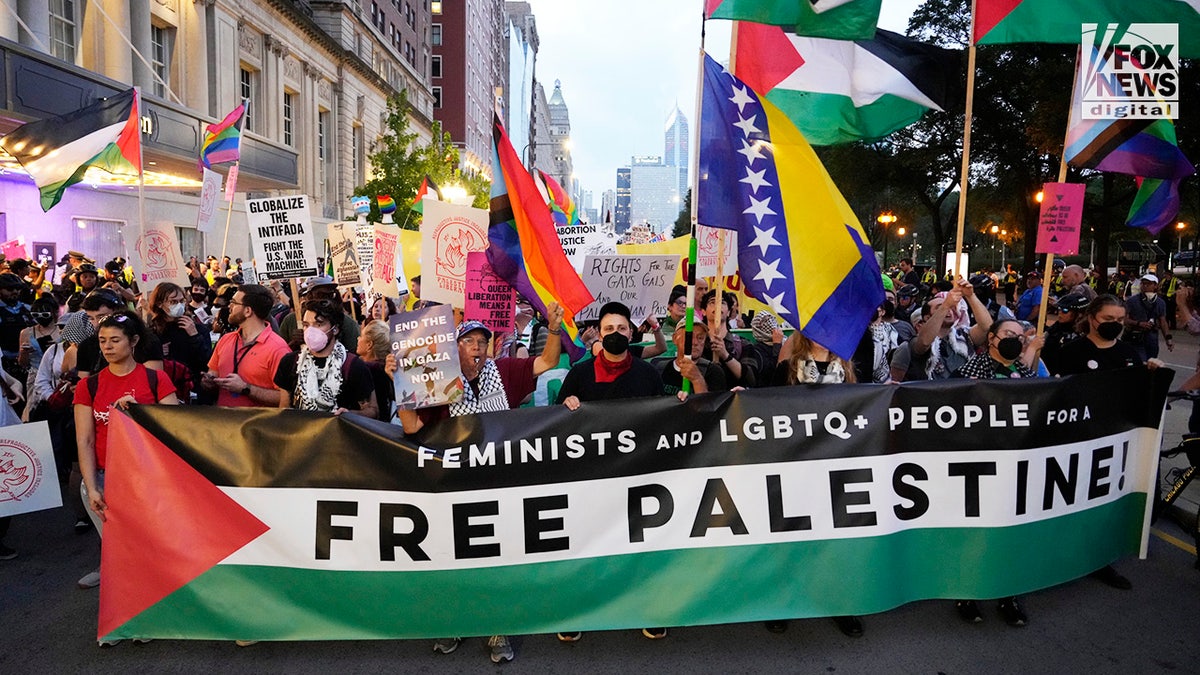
(937, 72)
(271, 448)
(55, 132)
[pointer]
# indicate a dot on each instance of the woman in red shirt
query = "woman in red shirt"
(121, 382)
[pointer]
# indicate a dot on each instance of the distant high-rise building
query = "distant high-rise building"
(542, 146)
(560, 136)
(608, 204)
(522, 42)
(676, 148)
(654, 192)
(468, 51)
(621, 220)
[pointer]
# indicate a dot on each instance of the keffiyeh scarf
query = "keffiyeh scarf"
(490, 397)
(317, 388)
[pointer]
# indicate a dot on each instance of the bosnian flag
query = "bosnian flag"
(57, 151)
(837, 91)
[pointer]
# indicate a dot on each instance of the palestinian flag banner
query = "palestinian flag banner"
(428, 188)
(1061, 21)
(288, 525)
(57, 151)
(838, 91)
(836, 19)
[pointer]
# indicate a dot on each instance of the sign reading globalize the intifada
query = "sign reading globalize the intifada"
(622, 513)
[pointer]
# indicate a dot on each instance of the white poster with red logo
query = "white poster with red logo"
(708, 251)
(157, 257)
(448, 234)
(209, 193)
(385, 260)
(28, 476)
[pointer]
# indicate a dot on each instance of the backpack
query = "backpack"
(181, 377)
(93, 382)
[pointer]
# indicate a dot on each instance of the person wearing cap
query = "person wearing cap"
(1031, 300)
(906, 302)
(14, 318)
(320, 288)
(86, 278)
(325, 376)
(1075, 280)
(1146, 318)
(1064, 330)
(985, 290)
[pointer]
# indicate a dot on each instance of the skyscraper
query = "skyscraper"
(654, 192)
(560, 132)
(621, 221)
(676, 148)
(468, 51)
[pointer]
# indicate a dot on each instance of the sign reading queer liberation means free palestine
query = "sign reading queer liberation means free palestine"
(281, 235)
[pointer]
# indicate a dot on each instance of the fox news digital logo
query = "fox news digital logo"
(1129, 71)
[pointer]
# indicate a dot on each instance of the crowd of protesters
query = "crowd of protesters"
(80, 340)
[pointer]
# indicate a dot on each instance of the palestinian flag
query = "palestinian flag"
(428, 187)
(1061, 21)
(837, 91)
(57, 151)
(836, 19)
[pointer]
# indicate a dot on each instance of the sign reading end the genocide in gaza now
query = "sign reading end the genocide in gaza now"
(427, 368)
(282, 236)
(1060, 219)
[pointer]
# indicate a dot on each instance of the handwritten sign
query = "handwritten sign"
(383, 267)
(584, 239)
(448, 234)
(342, 240)
(158, 257)
(427, 368)
(281, 235)
(707, 240)
(1060, 218)
(209, 197)
(364, 246)
(640, 282)
(489, 298)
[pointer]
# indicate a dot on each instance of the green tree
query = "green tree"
(400, 164)
(683, 224)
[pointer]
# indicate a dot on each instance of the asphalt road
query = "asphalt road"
(47, 625)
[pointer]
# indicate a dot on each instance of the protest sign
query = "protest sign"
(46, 253)
(448, 234)
(583, 239)
(14, 249)
(231, 183)
(384, 257)
(489, 299)
(427, 368)
(641, 282)
(707, 247)
(364, 247)
(210, 192)
(942, 489)
(1060, 218)
(281, 235)
(28, 477)
(158, 257)
(343, 253)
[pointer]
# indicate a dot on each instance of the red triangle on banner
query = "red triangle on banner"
(166, 524)
(765, 56)
(988, 13)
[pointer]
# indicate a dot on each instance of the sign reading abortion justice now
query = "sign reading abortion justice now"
(518, 522)
(427, 368)
(281, 236)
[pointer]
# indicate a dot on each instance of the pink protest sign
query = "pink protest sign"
(14, 249)
(489, 298)
(1060, 218)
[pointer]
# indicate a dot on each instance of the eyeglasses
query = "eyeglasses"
(681, 302)
(480, 341)
(1009, 334)
(42, 315)
(235, 302)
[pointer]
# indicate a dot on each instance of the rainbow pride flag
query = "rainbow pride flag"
(562, 207)
(223, 140)
(523, 246)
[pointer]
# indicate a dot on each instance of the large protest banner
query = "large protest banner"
(489, 298)
(640, 282)
(281, 237)
(769, 503)
(158, 258)
(448, 234)
(28, 477)
(427, 369)
(343, 236)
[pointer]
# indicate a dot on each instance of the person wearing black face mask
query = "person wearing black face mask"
(615, 372)
(1005, 343)
(1100, 347)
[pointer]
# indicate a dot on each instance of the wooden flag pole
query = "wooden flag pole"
(966, 156)
(141, 230)
(229, 202)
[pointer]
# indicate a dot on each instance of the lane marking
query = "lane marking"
(1174, 541)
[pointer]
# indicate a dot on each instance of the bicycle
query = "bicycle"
(1177, 479)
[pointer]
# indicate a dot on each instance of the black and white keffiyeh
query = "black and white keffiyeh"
(317, 388)
(809, 373)
(488, 396)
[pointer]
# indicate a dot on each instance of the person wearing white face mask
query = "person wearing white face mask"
(325, 376)
(1146, 318)
(185, 341)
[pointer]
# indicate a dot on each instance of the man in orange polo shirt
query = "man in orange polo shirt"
(244, 361)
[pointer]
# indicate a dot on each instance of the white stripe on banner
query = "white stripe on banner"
(60, 164)
(685, 509)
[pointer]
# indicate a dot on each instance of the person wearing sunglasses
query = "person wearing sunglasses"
(35, 340)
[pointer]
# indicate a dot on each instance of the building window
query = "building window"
(356, 156)
(62, 29)
(160, 58)
(435, 34)
(100, 238)
(246, 89)
(191, 242)
(289, 117)
(322, 136)
(437, 97)
(435, 66)
(435, 7)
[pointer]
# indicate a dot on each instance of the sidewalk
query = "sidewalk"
(1182, 360)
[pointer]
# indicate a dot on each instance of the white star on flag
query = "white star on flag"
(764, 239)
(768, 272)
(758, 208)
(755, 179)
(751, 151)
(747, 125)
(776, 303)
(741, 98)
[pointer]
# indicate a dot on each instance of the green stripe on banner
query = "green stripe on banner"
(663, 588)
(826, 119)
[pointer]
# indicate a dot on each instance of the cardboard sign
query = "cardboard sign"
(343, 240)
(364, 246)
(28, 476)
(231, 183)
(46, 253)
(641, 282)
(281, 236)
(14, 249)
(584, 239)
(384, 269)
(1061, 218)
(489, 299)
(209, 193)
(426, 351)
(158, 257)
(448, 234)
(707, 241)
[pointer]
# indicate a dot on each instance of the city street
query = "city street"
(1084, 626)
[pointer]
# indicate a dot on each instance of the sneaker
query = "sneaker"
(968, 610)
(570, 637)
(777, 626)
(500, 648)
(1011, 611)
(851, 626)
(108, 643)
(1112, 577)
(654, 633)
(90, 580)
(82, 526)
(446, 645)
(245, 643)
(7, 553)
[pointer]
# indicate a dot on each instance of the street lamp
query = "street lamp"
(1179, 228)
(886, 218)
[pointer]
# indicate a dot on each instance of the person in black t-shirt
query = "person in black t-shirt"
(324, 376)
